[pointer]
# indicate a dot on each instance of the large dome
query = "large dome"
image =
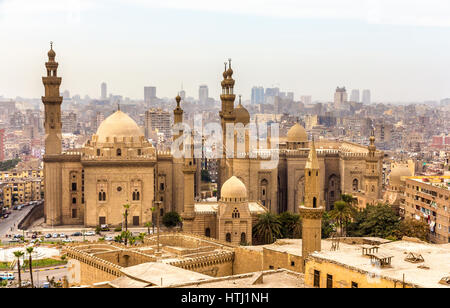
(297, 134)
(395, 178)
(233, 190)
(119, 125)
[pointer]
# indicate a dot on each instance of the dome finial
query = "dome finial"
(51, 45)
(178, 99)
(240, 95)
(118, 106)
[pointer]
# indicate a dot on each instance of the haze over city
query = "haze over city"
(307, 47)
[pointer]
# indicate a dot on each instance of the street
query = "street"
(12, 221)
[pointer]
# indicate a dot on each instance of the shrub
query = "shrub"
(171, 219)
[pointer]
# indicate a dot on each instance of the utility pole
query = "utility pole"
(157, 203)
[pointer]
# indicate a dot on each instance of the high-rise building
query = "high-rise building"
(290, 96)
(203, 94)
(340, 97)
(257, 95)
(158, 121)
(354, 96)
(2, 144)
(104, 91)
(149, 94)
(366, 97)
(306, 99)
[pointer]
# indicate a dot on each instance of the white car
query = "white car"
(109, 238)
(67, 240)
(89, 233)
(55, 235)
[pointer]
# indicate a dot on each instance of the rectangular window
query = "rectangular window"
(102, 220)
(74, 186)
(161, 186)
(316, 279)
(74, 213)
(329, 281)
(135, 220)
(74, 200)
(354, 285)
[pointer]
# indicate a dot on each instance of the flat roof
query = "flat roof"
(436, 259)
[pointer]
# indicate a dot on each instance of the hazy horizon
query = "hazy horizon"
(397, 49)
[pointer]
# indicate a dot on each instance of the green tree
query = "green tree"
(291, 225)
(327, 225)
(341, 213)
(148, 225)
(376, 220)
(171, 219)
(268, 228)
(141, 237)
(206, 177)
(413, 228)
(30, 259)
(18, 254)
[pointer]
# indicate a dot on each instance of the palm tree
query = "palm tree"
(141, 237)
(341, 213)
(125, 215)
(132, 240)
(30, 252)
(148, 225)
(268, 228)
(18, 254)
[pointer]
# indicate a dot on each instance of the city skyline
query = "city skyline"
(305, 43)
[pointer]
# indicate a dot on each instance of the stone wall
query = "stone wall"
(247, 261)
(36, 212)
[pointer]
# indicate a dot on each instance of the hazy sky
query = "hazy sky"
(400, 49)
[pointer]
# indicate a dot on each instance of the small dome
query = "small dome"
(297, 134)
(242, 115)
(395, 177)
(51, 53)
(233, 189)
(119, 125)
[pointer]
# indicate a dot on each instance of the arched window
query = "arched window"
(119, 152)
(373, 188)
(100, 196)
(314, 202)
(236, 213)
(208, 232)
(104, 196)
(138, 196)
(243, 238)
(98, 152)
(228, 237)
(355, 185)
(134, 196)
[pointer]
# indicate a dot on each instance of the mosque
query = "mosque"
(117, 165)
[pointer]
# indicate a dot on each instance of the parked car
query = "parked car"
(62, 235)
(34, 235)
(67, 240)
(55, 235)
(104, 228)
(48, 235)
(77, 234)
(109, 238)
(89, 233)
(15, 208)
(7, 276)
(15, 240)
(5, 216)
(36, 240)
(19, 208)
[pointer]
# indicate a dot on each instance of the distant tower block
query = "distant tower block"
(312, 211)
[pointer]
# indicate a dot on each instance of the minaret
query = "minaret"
(52, 102)
(312, 211)
(52, 158)
(227, 115)
(372, 173)
(177, 116)
(189, 169)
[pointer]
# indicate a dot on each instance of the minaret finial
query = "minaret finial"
(51, 44)
(118, 106)
(229, 61)
(240, 95)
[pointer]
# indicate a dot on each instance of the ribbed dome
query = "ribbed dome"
(398, 172)
(297, 134)
(242, 115)
(119, 125)
(233, 189)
